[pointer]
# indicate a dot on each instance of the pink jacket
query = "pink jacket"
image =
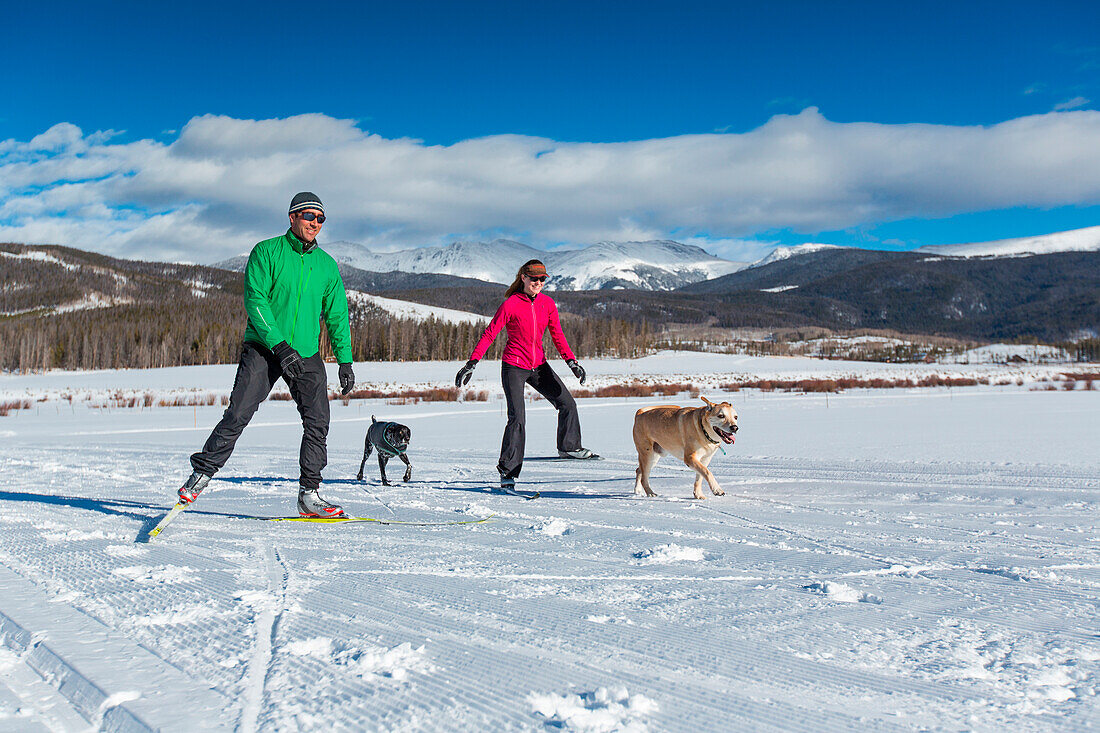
(526, 320)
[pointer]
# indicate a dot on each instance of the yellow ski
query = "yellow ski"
(179, 507)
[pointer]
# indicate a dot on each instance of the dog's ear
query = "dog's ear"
(372, 420)
(704, 399)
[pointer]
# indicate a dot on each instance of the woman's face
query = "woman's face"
(533, 285)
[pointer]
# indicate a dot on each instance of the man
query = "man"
(289, 285)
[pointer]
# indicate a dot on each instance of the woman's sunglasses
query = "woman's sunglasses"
(537, 278)
(310, 216)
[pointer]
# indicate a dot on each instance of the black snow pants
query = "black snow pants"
(550, 386)
(256, 375)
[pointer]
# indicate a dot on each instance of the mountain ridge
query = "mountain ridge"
(648, 265)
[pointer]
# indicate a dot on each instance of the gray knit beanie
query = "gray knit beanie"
(305, 200)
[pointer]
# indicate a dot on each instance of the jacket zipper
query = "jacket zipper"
(534, 334)
(298, 303)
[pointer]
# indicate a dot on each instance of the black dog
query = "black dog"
(391, 439)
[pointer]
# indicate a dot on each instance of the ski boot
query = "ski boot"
(579, 453)
(191, 488)
(310, 504)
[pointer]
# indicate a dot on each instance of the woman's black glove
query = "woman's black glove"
(577, 369)
(464, 374)
(347, 378)
(290, 361)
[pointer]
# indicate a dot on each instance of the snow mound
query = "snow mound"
(664, 554)
(601, 711)
(601, 619)
(842, 593)
(554, 528)
(150, 576)
(394, 663)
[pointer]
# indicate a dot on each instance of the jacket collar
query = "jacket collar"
(298, 245)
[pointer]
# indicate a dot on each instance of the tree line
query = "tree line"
(208, 330)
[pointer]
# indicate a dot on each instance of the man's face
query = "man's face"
(305, 230)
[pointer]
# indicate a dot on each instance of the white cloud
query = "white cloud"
(1075, 103)
(224, 183)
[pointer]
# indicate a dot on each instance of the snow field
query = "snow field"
(198, 386)
(883, 560)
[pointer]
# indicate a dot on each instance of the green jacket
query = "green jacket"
(286, 292)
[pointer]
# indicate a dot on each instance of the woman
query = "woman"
(526, 313)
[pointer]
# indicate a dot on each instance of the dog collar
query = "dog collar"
(389, 447)
(705, 424)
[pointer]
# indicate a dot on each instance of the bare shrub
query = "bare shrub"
(6, 407)
(817, 385)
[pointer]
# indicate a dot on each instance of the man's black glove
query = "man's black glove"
(577, 369)
(290, 361)
(464, 374)
(347, 378)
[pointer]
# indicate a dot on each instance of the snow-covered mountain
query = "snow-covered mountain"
(653, 265)
(1075, 240)
(495, 261)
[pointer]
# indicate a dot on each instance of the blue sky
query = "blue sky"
(569, 73)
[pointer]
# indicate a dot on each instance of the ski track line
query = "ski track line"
(1053, 628)
(509, 643)
(266, 624)
(1036, 589)
(402, 619)
(830, 548)
(1059, 592)
(705, 692)
(87, 575)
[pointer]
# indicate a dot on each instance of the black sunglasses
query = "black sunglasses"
(537, 279)
(310, 216)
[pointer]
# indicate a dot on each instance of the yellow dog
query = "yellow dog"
(692, 433)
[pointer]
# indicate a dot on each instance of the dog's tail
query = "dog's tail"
(372, 420)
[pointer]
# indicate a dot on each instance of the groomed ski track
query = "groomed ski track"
(904, 562)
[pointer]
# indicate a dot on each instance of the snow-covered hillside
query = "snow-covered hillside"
(416, 311)
(654, 265)
(783, 253)
(885, 560)
(1076, 240)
